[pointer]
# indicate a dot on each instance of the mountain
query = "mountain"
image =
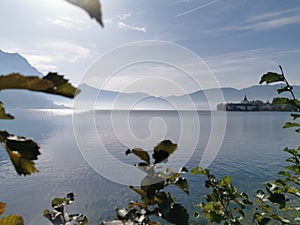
(92, 98)
(15, 63)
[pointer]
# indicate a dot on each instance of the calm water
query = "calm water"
(251, 152)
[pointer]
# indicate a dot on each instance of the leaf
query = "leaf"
(284, 89)
(61, 86)
(227, 180)
(59, 203)
(295, 116)
(271, 77)
(177, 215)
(92, 7)
(78, 219)
(163, 150)
(183, 184)
(2, 208)
(52, 83)
(12, 220)
(143, 155)
(3, 114)
(22, 152)
(289, 124)
(18, 81)
(199, 170)
(54, 217)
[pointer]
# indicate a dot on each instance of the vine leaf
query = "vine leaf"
(92, 7)
(163, 150)
(51, 83)
(22, 152)
(3, 114)
(271, 77)
(12, 220)
(2, 208)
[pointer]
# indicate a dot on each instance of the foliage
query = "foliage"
(224, 203)
(154, 200)
(58, 216)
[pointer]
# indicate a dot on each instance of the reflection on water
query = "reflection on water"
(251, 152)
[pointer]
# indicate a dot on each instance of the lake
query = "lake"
(85, 154)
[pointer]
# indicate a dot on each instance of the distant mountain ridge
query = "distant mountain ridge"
(91, 98)
(15, 63)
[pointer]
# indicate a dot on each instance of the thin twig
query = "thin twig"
(287, 83)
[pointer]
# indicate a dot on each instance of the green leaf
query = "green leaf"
(271, 77)
(22, 152)
(284, 89)
(199, 170)
(295, 116)
(177, 215)
(183, 184)
(240, 211)
(60, 86)
(12, 220)
(2, 208)
(92, 7)
(55, 217)
(143, 155)
(78, 219)
(163, 150)
(3, 114)
(289, 124)
(59, 203)
(227, 180)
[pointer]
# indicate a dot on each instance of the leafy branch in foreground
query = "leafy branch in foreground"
(154, 200)
(58, 216)
(22, 151)
(224, 203)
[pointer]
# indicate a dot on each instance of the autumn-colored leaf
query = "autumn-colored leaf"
(22, 152)
(3, 114)
(2, 208)
(61, 86)
(163, 150)
(12, 220)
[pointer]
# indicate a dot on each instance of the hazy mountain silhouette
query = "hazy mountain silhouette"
(15, 63)
(93, 98)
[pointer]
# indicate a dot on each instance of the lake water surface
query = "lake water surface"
(251, 152)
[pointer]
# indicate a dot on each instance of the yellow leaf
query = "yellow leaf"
(22, 152)
(2, 208)
(3, 114)
(12, 220)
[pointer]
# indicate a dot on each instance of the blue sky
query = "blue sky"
(238, 39)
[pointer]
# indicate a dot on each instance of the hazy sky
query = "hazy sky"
(238, 39)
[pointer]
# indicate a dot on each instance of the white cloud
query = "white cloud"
(264, 21)
(51, 55)
(71, 23)
(119, 21)
(126, 26)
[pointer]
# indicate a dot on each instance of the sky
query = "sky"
(238, 40)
